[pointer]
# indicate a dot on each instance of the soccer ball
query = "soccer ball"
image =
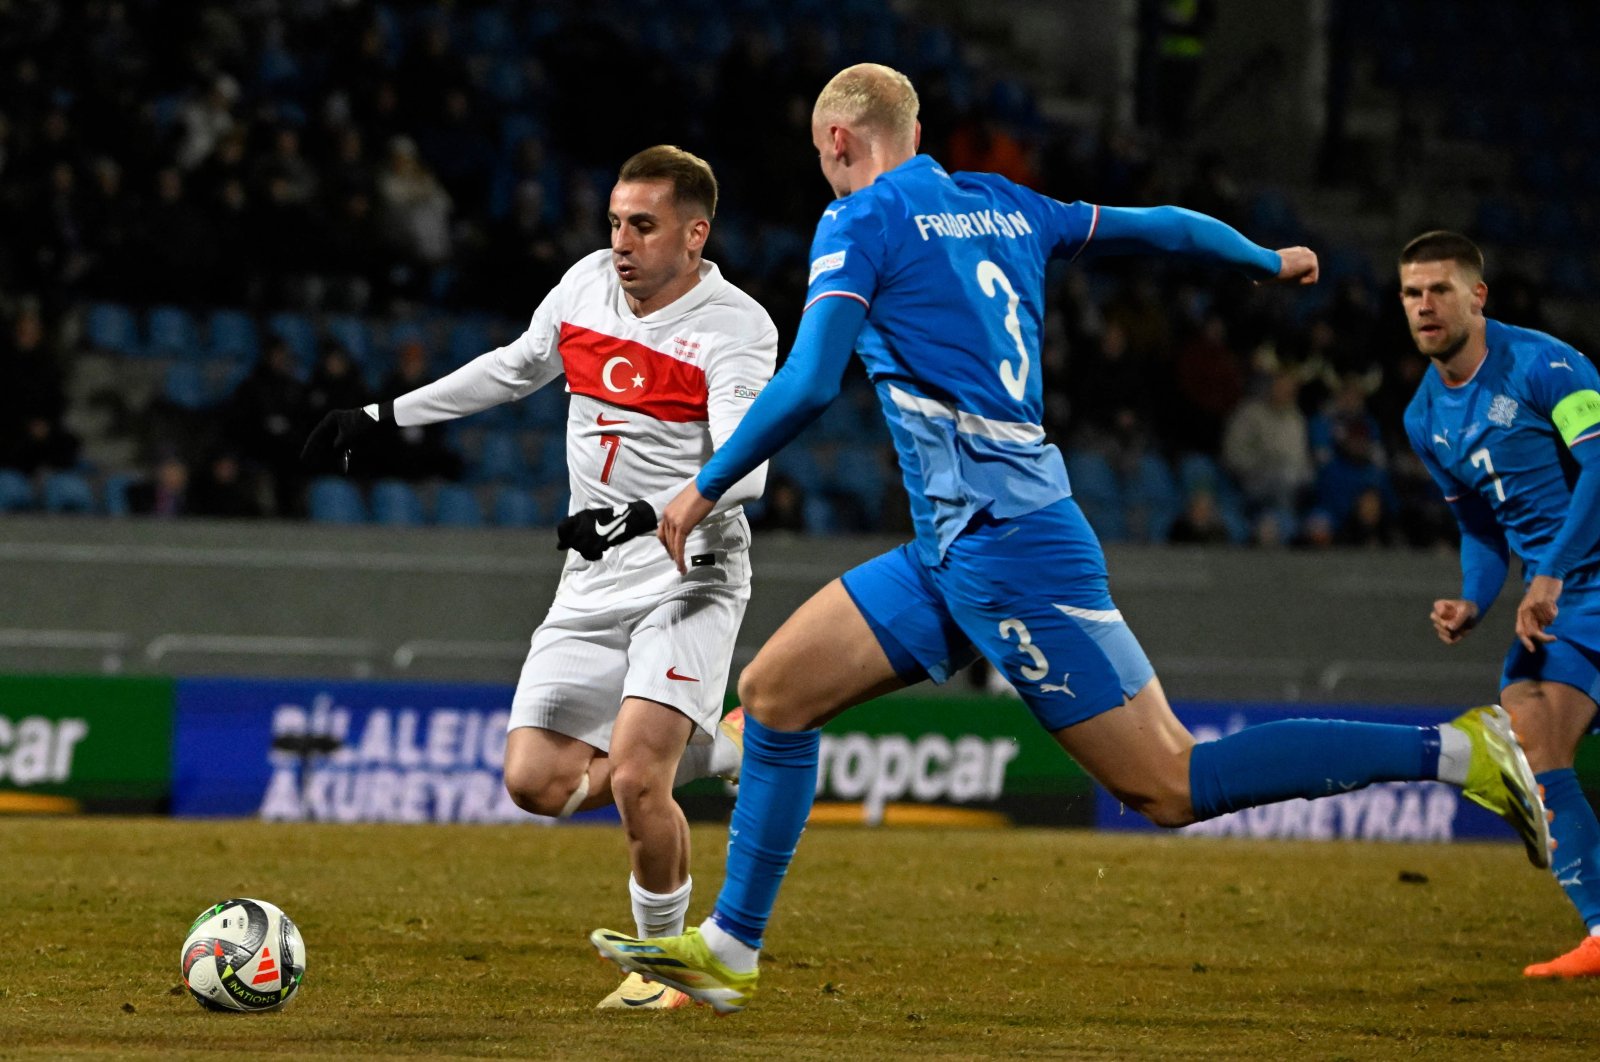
(243, 955)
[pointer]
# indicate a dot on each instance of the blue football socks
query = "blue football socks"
(1305, 758)
(777, 785)
(1576, 861)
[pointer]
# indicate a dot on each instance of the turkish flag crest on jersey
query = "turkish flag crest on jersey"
(629, 374)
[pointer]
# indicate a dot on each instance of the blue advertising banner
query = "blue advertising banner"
(343, 751)
(1392, 811)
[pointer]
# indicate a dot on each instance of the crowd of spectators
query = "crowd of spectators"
(405, 159)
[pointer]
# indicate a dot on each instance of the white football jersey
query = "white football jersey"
(652, 397)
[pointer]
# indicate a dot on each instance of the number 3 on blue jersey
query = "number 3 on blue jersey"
(1015, 378)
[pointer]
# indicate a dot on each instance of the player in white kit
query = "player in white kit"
(620, 698)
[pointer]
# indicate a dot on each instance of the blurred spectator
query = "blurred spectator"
(416, 453)
(164, 493)
(1369, 524)
(206, 120)
(32, 399)
(980, 142)
(415, 204)
(783, 506)
(1316, 531)
(1200, 523)
(335, 383)
(1265, 446)
(220, 489)
(1209, 376)
(267, 419)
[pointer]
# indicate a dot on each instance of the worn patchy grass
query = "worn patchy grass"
(436, 942)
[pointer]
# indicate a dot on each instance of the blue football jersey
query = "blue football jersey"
(951, 269)
(1505, 435)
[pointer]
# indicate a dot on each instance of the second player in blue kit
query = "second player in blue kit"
(1507, 421)
(936, 281)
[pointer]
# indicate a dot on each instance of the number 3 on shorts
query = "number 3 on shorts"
(1041, 666)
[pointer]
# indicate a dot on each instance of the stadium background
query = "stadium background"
(223, 219)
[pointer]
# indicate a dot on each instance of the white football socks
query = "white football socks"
(1455, 755)
(659, 914)
(729, 950)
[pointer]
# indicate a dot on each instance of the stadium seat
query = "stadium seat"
(501, 460)
(16, 491)
(350, 332)
(336, 501)
(469, 337)
(299, 333)
(396, 504)
(457, 506)
(68, 492)
(114, 489)
(112, 328)
(515, 507)
(185, 386)
(172, 333)
(1099, 495)
(1152, 500)
(232, 334)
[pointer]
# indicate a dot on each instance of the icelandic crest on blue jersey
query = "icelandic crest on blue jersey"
(1503, 410)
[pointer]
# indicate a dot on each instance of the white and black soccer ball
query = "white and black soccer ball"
(243, 955)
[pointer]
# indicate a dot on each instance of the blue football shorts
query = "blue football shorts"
(1029, 594)
(1573, 659)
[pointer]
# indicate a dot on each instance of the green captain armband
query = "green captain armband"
(1576, 414)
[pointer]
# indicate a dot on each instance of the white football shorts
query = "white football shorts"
(676, 650)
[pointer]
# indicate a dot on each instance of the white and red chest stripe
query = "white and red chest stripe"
(634, 375)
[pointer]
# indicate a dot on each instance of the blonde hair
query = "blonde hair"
(873, 98)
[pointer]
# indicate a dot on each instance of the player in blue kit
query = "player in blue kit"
(1509, 427)
(936, 280)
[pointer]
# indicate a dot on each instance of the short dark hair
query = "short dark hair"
(693, 183)
(1442, 245)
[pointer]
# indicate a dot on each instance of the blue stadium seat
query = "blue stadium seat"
(350, 332)
(469, 337)
(68, 492)
(1153, 500)
(515, 507)
(396, 503)
(185, 386)
(173, 333)
(457, 506)
(112, 328)
(115, 491)
(232, 334)
(16, 491)
(299, 333)
(501, 460)
(336, 501)
(1099, 495)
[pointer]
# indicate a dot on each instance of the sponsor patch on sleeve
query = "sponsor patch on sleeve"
(826, 264)
(741, 391)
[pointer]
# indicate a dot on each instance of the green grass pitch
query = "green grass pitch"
(468, 942)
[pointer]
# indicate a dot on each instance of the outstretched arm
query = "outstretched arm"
(808, 382)
(1174, 230)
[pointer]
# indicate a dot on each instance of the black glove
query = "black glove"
(594, 531)
(339, 430)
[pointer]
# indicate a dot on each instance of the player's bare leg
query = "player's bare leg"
(1140, 752)
(548, 773)
(1550, 719)
(645, 745)
(786, 696)
(785, 689)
